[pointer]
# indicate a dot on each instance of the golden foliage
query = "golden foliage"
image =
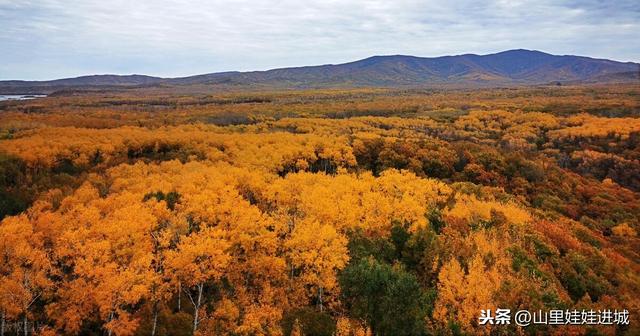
(464, 291)
(142, 211)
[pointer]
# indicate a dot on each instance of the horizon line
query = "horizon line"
(305, 66)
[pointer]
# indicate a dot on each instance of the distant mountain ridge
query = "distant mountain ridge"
(512, 67)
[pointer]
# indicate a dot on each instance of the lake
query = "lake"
(20, 97)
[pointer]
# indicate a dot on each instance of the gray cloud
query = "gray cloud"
(46, 39)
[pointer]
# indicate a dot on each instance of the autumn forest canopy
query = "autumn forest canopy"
(342, 212)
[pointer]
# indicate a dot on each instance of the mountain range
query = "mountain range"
(507, 68)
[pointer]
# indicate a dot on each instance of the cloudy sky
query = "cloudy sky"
(46, 39)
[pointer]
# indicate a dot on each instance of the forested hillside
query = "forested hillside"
(319, 212)
(507, 68)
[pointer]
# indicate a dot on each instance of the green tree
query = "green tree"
(387, 297)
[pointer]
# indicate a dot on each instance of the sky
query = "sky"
(48, 39)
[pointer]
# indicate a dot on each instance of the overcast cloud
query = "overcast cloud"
(46, 39)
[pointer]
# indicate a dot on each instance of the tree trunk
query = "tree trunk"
(2, 325)
(110, 318)
(24, 324)
(155, 318)
(197, 308)
(320, 298)
(179, 295)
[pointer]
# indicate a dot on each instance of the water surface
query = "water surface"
(20, 97)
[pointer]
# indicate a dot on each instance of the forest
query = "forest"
(335, 212)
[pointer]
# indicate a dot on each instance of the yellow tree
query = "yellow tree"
(164, 234)
(106, 254)
(220, 197)
(199, 259)
(255, 271)
(24, 269)
(463, 294)
(318, 251)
